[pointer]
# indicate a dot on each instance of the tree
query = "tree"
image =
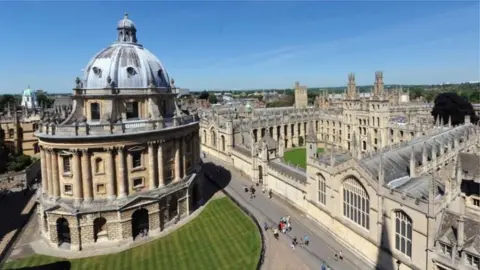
(5, 99)
(44, 100)
(212, 99)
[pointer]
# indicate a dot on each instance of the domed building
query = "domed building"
(125, 162)
(29, 99)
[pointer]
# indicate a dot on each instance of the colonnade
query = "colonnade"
(115, 167)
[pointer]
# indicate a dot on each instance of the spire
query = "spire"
(432, 193)
(311, 136)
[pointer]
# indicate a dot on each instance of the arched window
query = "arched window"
(356, 204)
(322, 189)
(403, 233)
(213, 138)
(223, 142)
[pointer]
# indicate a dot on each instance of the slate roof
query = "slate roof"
(291, 171)
(397, 161)
(268, 141)
(448, 228)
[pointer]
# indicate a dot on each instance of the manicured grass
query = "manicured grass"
(221, 237)
(298, 156)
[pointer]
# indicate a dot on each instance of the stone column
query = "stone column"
(195, 152)
(55, 176)
(178, 173)
(151, 166)
(43, 162)
(48, 159)
(110, 175)
(121, 185)
(77, 176)
(185, 155)
(161, 174)
(87, 176)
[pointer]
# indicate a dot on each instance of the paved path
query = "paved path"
(322, 245)
(14, 207)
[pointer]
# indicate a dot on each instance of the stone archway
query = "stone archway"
(260, 175)
(100, 229)
(140, 224)
(300, 141)
(63, 232)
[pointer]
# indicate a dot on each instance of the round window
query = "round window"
(131, 71)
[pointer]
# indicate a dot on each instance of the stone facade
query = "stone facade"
(301, 97)
(396, 188)
(124, 162)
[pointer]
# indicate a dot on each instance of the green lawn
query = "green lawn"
(221, 237)
(298, 156)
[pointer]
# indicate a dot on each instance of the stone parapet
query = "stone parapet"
(85, 129)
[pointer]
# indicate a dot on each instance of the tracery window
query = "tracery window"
(403, 233)
(322, 189)
(356, 204)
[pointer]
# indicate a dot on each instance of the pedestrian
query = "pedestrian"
(340, 255)
(294, 242)
(306, 241)
(275, 233)
(265, 226)
(270, 194)
(324, 267)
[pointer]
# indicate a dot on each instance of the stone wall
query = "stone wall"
(21, 178)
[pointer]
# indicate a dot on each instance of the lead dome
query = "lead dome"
(125, 64)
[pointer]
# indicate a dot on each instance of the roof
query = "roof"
(268, 141)
(28, 92)
(398, 160)
(294, 172)
(448, 228)
(125, 64)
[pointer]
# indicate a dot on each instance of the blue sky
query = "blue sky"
(243, 45)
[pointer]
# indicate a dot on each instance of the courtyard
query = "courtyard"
(221, 237)
(298, 156)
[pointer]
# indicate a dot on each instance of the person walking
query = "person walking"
(294, 242)
(306, 241)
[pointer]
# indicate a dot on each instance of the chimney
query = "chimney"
(467, 119)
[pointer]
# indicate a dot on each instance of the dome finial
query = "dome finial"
(125, 16)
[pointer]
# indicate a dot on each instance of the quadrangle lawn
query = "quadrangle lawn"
(221, 237)
(298, 156)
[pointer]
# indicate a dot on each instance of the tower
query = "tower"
(301, 98)
(351, 104)
(29, 99)
(378, 115)
(311, 141)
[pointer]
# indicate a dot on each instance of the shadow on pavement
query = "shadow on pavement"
(11, 206)
(218, 176)
(63, 265)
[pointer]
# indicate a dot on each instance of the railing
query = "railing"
(85, 129)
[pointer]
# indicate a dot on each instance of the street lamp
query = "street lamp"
(398, 264)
